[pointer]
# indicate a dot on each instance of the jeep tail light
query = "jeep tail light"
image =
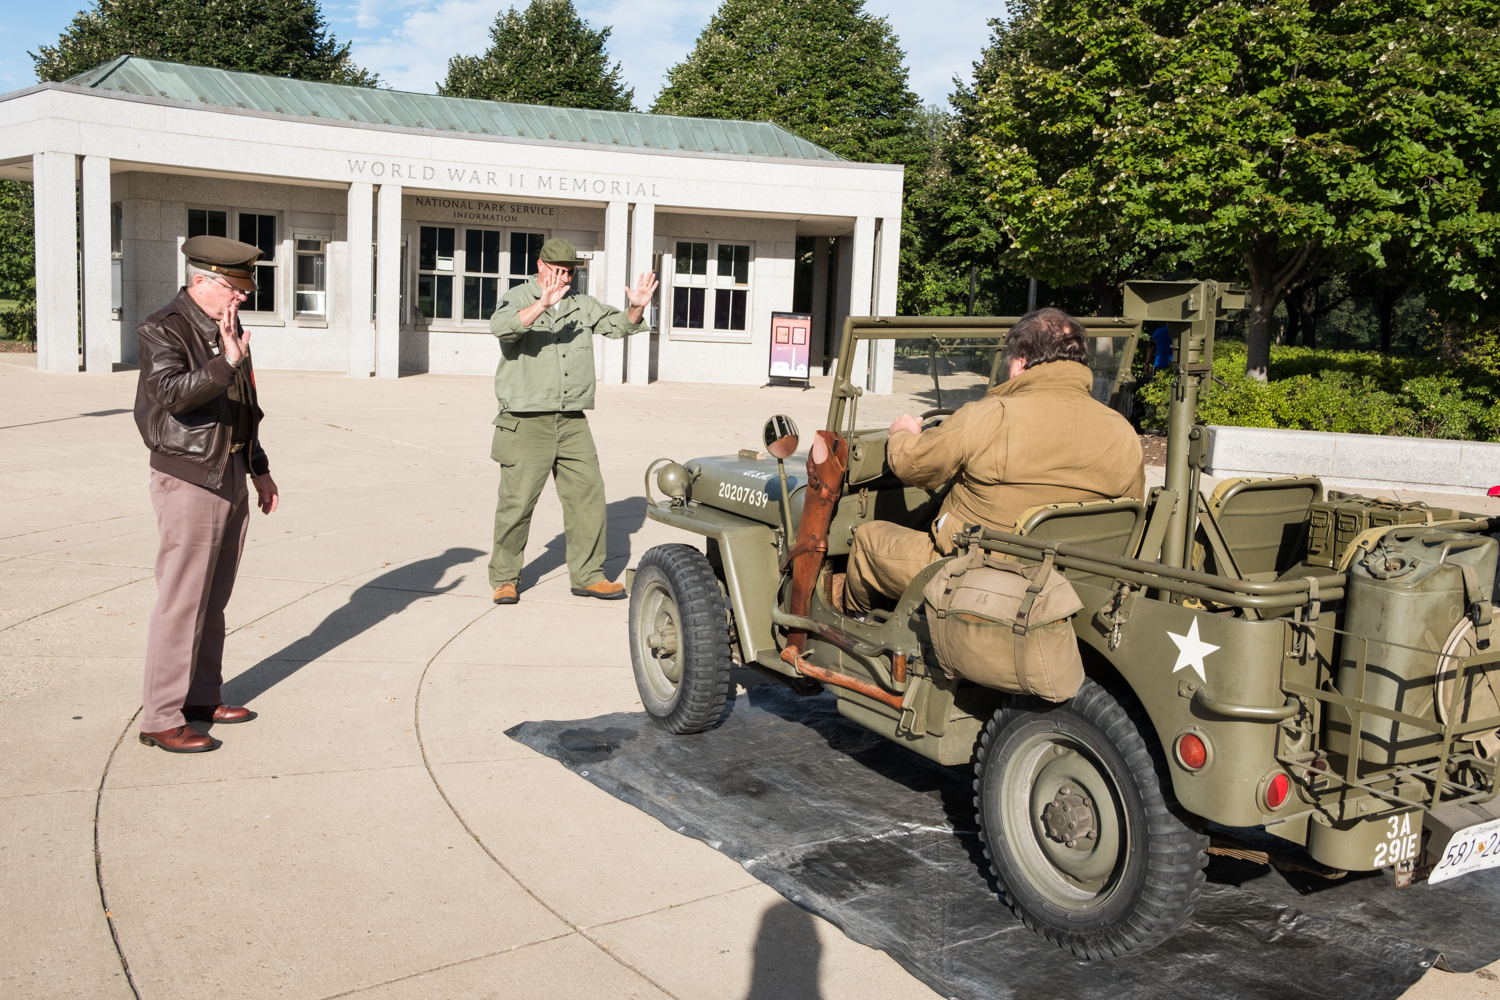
(1276, 791)
(1191, 752)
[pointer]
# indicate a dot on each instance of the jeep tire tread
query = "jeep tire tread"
(679, 639)
(1093, 761)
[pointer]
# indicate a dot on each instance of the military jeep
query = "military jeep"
(1272, 663)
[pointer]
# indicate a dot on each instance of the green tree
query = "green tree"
(274, 37)
(1033, 119)
(823, 69)
(17, 260)
(1267, 141)
(545, 54)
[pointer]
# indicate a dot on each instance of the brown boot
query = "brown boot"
(183, 739)
(506, 594)
(604, 590)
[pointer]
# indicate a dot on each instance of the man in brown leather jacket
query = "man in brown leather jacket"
(1035, 439)
(196, 408)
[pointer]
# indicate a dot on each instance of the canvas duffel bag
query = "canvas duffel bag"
(1006, 625)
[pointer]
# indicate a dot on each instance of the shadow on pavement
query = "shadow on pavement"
(624, 517)
(386, 595)
(787, 953)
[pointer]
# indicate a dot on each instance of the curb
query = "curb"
(1359, 461)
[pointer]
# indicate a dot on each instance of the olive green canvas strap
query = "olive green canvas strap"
(1023, 613)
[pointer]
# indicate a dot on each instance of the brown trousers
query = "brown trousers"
(202, 534)
(884, 558)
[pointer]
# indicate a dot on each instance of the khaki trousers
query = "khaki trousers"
(202, 534)
(530, 447)
(884, 558)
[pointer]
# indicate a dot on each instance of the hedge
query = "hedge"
(1358, 392)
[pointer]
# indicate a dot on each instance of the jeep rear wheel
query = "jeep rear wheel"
(679, 639)
(1075, 812)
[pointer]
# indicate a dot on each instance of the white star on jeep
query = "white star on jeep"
(1191, 650)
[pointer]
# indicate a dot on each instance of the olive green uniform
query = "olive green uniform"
(544, 382)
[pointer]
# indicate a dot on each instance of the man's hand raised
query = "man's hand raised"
(554, 284)
(640, 295)
(234, 338)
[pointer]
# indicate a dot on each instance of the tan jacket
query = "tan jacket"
(1039, 438)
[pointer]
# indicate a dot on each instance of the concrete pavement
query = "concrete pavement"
(373, 833)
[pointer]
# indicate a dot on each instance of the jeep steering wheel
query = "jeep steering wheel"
(932, 418)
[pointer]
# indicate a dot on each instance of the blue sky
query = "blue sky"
(408, 42)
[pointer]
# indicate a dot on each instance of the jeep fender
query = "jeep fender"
(751, 577)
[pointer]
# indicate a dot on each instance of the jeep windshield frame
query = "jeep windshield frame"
(987, 332)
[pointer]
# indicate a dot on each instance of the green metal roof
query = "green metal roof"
(368, 105)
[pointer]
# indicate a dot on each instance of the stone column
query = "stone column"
(887, 259)
(360, 261)
(612, 286)
(861, 278)
(818, 336)
(54, 176)
(98, 352)
(387, 284)
(642, 240)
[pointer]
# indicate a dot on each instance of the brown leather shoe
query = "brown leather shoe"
(506, 594)
(217, 713)
(604, 590)
(183, 739)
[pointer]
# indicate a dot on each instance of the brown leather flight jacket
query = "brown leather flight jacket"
(1039, 438)
(182, 399)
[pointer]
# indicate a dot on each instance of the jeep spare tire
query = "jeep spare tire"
(679, 639)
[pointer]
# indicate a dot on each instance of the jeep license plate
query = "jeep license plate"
(1472, 849)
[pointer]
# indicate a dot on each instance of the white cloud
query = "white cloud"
(409, 42)
(941, 38)
(413, 55)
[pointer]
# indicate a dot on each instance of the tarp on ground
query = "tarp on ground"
(884, 844)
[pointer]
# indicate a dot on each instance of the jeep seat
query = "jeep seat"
(1111, 526)
(1264, 521)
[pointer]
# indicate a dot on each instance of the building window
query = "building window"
(687, 292)
(434, 286)
(260, 232)
(481, 259)
(310, 292)
(687, 308)
(207, 222)
(524, 250)
(732, 286)
(723, 288)
(692, 258)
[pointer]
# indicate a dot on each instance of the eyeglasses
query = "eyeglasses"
(242, 294)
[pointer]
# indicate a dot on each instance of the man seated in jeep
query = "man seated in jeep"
(1035, 439)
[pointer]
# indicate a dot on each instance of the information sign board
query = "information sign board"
(791, 342)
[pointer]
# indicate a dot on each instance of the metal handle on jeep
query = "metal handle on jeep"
(1254, 713)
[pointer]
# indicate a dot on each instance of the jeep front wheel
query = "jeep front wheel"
(679, 639)
(1076, 815)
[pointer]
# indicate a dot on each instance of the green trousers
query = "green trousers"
(529, 448)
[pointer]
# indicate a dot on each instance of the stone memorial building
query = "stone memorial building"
(391, 222)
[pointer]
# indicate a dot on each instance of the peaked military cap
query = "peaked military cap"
(231, 259)
(559, 251)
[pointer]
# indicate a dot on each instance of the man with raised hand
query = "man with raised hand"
(196, 408)
(544, 383)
